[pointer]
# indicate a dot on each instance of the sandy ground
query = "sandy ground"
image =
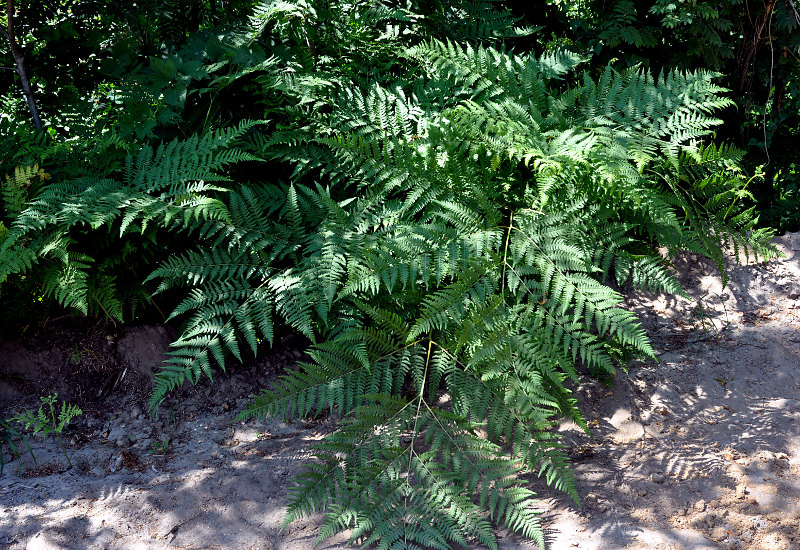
(700, 450)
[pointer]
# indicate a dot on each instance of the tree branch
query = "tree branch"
(750, 45)
(19, 58)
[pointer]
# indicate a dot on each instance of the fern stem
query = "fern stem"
(63, 449)
(57, 431)
(105, 311)
(416, 420)
(505, 253)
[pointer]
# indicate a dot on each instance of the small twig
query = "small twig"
(120, 379)
(49, 320)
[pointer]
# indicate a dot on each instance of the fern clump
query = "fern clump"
(453, 265)
(449, 244)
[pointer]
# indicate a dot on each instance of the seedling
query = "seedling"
(160, 447)
(47, 422)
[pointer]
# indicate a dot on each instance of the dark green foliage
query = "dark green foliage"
(160, 188)
(754, 46)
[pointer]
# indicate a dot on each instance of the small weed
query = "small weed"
(708, 326)
(48, 422)
(160, 447)
(172, 418)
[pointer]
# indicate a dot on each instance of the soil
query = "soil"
(699, 450)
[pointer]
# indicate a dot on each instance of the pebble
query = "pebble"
(657, 478)
(700, 505)
(116, 433)
(719, 533)
(746, 536)
(741, 491)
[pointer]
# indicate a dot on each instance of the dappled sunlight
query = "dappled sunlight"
(220, 505)
(718, 460)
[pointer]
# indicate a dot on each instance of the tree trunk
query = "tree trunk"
(19, 58)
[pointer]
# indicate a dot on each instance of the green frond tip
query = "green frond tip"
(424, 478)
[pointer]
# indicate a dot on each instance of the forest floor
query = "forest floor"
(700, 450)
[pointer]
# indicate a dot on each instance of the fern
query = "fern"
(502, 276)
(693, 30)
(472, 265)
(161, 186)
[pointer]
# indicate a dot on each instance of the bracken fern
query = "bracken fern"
(454, 270)
(448, 244)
